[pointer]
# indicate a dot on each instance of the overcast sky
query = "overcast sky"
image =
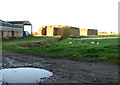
(90, 14)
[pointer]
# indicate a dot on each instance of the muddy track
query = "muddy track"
(64, 71)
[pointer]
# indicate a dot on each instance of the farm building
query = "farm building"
(56, 30)
(34, 33)
(102, 33)
(26, 25)
(88, 32)
(10, 29)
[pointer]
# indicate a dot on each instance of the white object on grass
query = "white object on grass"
(70, 42)
(97, 43)
(92, 42)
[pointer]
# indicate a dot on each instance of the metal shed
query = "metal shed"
(21, 23)
(9, 29)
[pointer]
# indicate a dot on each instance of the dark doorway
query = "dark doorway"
(2, 34)
(44, 31)
(12, 33)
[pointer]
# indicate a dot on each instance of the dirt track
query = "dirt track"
(64, 71)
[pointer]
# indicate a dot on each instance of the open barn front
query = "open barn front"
(26, 26)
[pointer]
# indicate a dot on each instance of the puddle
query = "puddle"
(23, 75)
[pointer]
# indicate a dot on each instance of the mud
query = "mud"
(64, 71)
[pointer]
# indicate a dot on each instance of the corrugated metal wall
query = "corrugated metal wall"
(8, 30)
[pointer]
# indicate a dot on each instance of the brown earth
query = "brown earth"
(37, 43)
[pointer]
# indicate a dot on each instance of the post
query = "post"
(23, 30)
(31, 29)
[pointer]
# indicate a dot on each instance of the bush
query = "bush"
(64, 33)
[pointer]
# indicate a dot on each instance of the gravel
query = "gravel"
(64, 71)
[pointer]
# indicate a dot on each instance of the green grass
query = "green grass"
(106, 51)
(94, 36)
(27, 39)
(19, 38)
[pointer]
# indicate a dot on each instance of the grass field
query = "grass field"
(26, 39)
(106, 51)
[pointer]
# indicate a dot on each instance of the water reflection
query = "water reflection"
(24, 75)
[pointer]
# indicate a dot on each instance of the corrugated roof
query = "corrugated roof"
(3, 23)
(19, 22)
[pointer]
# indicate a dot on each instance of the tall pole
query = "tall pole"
(31, 29)
(23, 30)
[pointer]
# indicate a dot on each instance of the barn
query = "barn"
(10, 29)
(86, 32)
(26, 25)
(55, 30)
